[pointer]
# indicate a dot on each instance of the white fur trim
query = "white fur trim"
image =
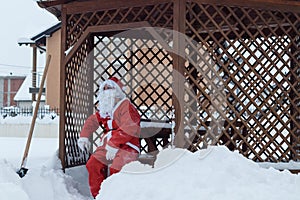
(119, 91)
(109, 124)
(109, 135)
(112, 83)
(133, 146)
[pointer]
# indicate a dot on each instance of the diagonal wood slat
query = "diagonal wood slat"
(252, 49)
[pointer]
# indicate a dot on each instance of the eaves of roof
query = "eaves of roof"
(46, 33)
(40, 39)
(53, 6)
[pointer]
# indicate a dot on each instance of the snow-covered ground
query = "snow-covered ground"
(44, 180)
(214, 173)
(19, 126)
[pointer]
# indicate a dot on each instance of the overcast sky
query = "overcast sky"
(21, 19)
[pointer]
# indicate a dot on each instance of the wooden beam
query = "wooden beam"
(101, 29)
(99, 5)
(286, 6)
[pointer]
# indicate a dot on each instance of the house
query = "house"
(23, 97)
(9, 85)
(47, 42)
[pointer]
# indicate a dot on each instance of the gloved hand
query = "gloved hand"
(110, 152)
(84, 144)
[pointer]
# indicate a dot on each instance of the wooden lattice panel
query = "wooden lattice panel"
(143, 67)
(158, 15)
(252, 57)
(78, 103)
(115, 59)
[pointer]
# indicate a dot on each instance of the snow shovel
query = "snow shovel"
(23, 170)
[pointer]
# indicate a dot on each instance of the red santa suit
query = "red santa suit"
(121, 132)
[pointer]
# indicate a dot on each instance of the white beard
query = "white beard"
(106, 102)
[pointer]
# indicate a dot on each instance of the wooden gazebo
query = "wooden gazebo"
(226, 72)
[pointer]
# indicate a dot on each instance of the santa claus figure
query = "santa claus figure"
(119, 144)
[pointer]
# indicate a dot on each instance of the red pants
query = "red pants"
(97, 166)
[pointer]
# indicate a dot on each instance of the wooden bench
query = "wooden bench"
(153, 130)
(152, 133)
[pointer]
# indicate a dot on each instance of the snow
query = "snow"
(44, 180)
(212, 173)
(155, 124)
(24, 40)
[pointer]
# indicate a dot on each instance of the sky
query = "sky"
(21, 19)
(214, 173)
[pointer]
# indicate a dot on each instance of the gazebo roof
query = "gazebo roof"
(54, 6)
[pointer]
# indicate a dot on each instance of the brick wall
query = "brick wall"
(8, 88)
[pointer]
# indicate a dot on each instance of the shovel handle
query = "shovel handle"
(35, 112)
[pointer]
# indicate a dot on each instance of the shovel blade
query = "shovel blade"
(22, 172)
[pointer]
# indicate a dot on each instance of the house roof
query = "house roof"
(40, 39)
(23, 92)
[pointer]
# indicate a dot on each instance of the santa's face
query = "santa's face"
(108, 87)
(106, 98)
(109, 93)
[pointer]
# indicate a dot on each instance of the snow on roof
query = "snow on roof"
(25, 41)
(40, 37)
(12, 71)
(23, 92)
(11, 75)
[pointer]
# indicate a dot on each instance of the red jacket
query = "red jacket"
(121, 131)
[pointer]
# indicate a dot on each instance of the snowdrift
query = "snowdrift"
(214, 173)
(47, 183)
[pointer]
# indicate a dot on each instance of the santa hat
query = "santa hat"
(114, 82)
(118, 82)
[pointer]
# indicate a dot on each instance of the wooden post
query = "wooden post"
(34, 73)
(178, 70)
(62, 131)
(90, 65)
(294, 142)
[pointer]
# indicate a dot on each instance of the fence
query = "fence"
(16, 111)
